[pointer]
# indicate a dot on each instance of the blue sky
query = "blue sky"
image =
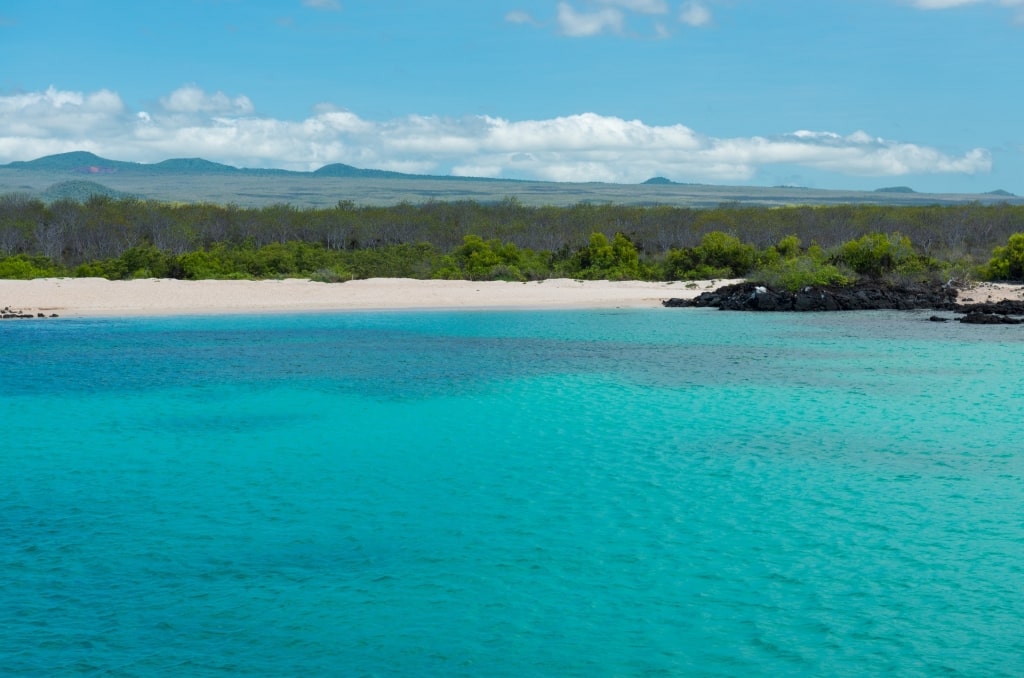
(854, 94)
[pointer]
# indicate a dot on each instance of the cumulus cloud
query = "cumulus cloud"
(192, 99)
(582, 147)
(586, 18)
(60, 114)
(584, 24)
(633, 18)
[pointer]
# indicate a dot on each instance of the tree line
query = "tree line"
(126, 238)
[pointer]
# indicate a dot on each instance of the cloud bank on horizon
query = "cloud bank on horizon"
(581, 147)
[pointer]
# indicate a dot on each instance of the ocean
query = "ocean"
(652, 492)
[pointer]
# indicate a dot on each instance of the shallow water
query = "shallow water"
(641, 492)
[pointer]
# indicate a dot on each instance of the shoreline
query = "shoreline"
(98, 297)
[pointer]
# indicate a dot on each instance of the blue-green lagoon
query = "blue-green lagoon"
(589, 493)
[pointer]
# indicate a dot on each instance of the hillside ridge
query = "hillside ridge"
(196, 179)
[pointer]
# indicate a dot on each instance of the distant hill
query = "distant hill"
(191, 166)
(80, 191)
(342, 170)
(192, 180)
(82, 162)
(1000, 191)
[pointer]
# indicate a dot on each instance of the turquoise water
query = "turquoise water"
(591, 493)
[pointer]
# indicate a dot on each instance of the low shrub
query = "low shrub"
(797, 272)
(1007, 262)
(25, 267)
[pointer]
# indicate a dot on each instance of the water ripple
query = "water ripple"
(638, 493)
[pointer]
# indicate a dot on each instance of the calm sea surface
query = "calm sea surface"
(590, 493)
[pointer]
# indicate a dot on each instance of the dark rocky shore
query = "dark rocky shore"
(8, 313)
(861, 296)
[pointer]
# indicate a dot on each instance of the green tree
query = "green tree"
(1007, 262)
(215, 262)
(718, 255)
(604, 260)
(876, 253)
(26, 267)
(479, 259)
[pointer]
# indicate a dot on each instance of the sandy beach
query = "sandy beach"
(990, 292)
(85, 297)
(92, 297)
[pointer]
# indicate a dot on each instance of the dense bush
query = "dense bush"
(876, 253)
(1007, 262)
(788, 266)
(216, 262)
(507, 240)
(397, 261)
(24, 267)
(718, 255)
(477, 259)
(889, 256)
(604, 260)
(144, 261)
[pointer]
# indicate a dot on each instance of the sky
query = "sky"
(841, 94)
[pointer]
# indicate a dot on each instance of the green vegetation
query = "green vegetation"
(874, 254)
(477, 259)
(604, 260)
(718, 255)
(80, 190)
(1007, 262)
(788, 266)
(25, 267)
(127, 238)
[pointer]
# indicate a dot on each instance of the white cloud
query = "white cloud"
(695, 14)
(584, 147)
(584, 24)
(191, 99)
(60, 113)
(587, 18)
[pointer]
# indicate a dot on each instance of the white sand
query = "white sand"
(78, 297)
(986, 292)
